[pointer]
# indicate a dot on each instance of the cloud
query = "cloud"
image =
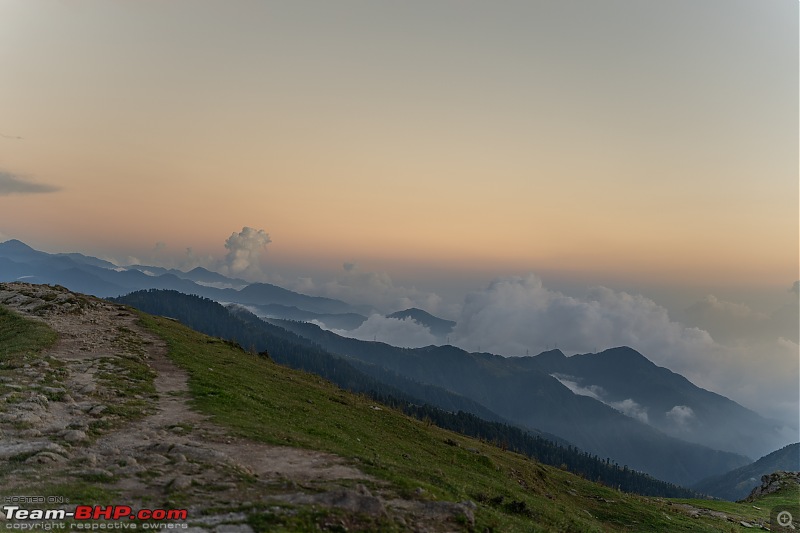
(632, 409)
(711, 304)
(730, 322)
(516, 314)
(375, 289)
(513, 315)
(244, 254)
(592, 391)
(681, 415)
(795, 288)
(406, 332)
(627, 407)
(13, 184)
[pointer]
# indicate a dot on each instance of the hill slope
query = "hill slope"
(737, 484)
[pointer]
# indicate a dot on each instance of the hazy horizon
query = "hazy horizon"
(597, 171)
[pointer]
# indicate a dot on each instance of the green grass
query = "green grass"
(21, 340)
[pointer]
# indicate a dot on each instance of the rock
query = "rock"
(180, 483)
(74, 435)
(46, 457)
(179, 458)
(773, 482)
(8, 450)
(97, 410)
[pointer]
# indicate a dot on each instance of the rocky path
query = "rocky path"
(104, 407)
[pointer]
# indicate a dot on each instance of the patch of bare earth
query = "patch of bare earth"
(106, 407)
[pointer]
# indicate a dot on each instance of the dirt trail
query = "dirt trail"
(68, 416)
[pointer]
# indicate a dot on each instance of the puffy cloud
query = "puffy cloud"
(513, 315)
(681, 415)
(406, 332)
(632, 409)
(13, 184)
(244, 254)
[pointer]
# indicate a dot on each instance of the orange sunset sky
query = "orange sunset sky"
(655, 139)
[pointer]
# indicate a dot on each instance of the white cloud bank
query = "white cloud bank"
(516, 314)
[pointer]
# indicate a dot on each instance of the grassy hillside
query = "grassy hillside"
(261, 400)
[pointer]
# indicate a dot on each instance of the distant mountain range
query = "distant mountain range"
(737, 484)
(90, 275)
(98, 277)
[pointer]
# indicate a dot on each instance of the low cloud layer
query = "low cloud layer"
(13, 184)
(515, 315)
(405, 332)
(628, 407)
(375, 289)
(731, 322)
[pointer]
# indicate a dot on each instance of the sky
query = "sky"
(586, 163)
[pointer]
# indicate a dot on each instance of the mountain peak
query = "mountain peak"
(438, 326)
(16, 245)
(623, 354)
(551, 355)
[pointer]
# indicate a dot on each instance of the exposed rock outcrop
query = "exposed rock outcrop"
(772, 483)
